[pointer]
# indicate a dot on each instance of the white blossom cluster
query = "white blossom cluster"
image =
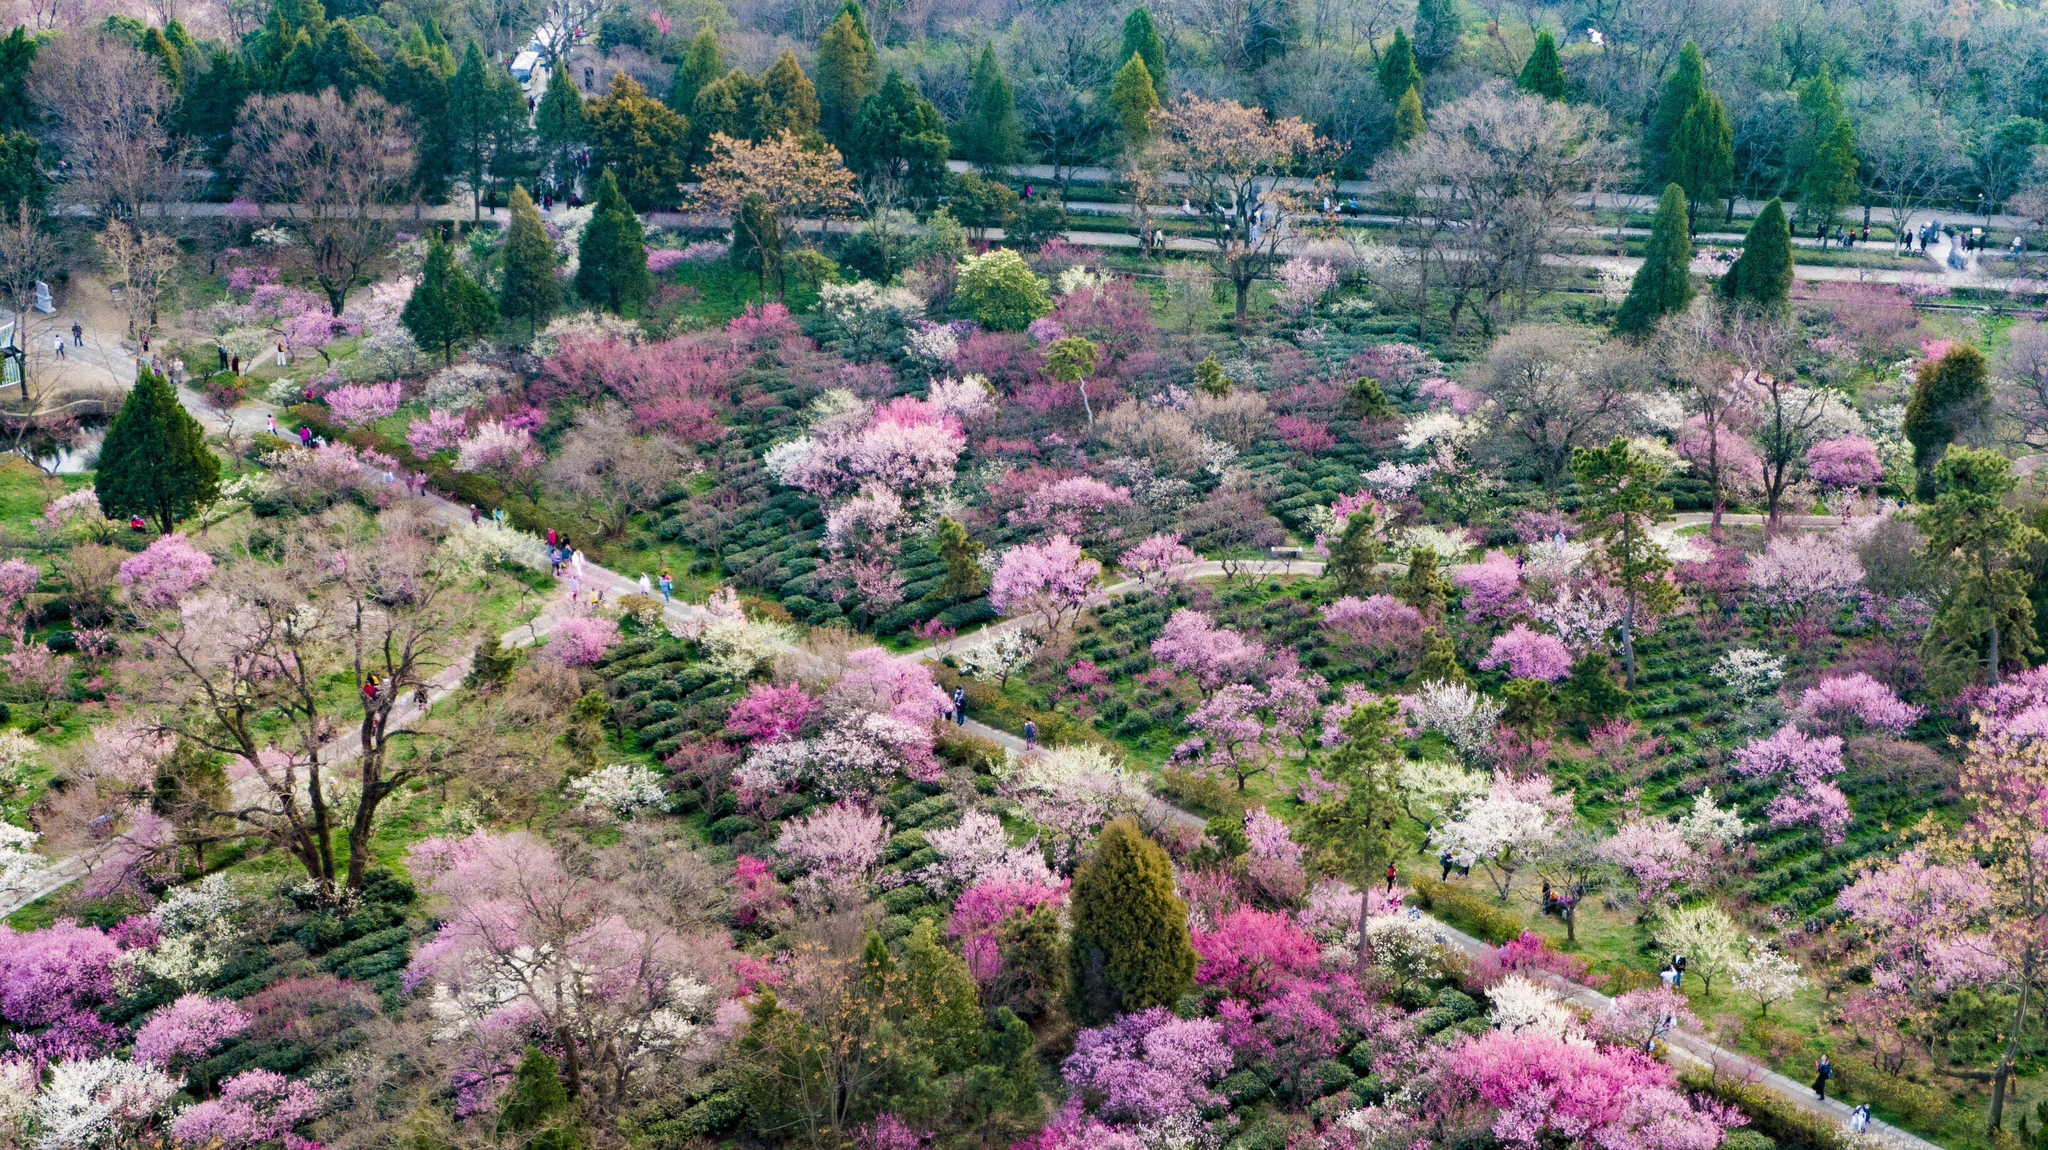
(1750, 672)
(620, 788)
(196, 932)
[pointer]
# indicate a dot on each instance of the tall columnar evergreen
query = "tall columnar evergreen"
(1408, 119)
(846, 73)
(788, 102)
(448, 309)
(1820, 109)
(343, 62)
(991, 134)
(1130, 935)
(1438, 25)
(17, 57)
(1141, 38)
(1398, 72)
(1134, 100)
(1988, 618)
(529, 291)
(154, 461)
(156, 44)
(1762, 276)
(561, 122)
(1703, 153)
(1543, 75)
(1830, 183)
(1663, 284)
(1951, 395)
(1682, 89)
(1352, 564)
(611, 260)
(640, 141)
(899, 144)
(703, 61)
(486, 120)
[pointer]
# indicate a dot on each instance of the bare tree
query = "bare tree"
(612, 473)
(1725, 402)
(1549, 398)
(1232, 159)
(1910, 160)
(110, 108)
(2023, 388)
(1488, 194)
(1787, 411)
(141, 261)
(1064, 122)
(27, 255)
(334, 168)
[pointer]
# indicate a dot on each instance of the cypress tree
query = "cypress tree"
(1591, 694)
(537, 1093)
(490, 664)
(960, 552)
(640, 142)
(611, 268)
(447, 307)
(1663, 284)
(154, 43)
(947, 1006)
(1209, 377)
(846, 73)
(1398, 72)
(702, 62)
(154, 461)
(1437, 29)
(17, 57)
(1134, 100)
(1439, 663)
(788, 102)
(345, 63)
(1543, 75)
(1408, 120)
(900, 140)
(561, 122)
(1820, 107)
(1950, 395)
(991, 134)
(1762, 276)
(1703, 153)
(1141, 38)
(1351, 570)
(1131, 948)
(1352, 829)
(1830, 181)
(21, 177)
(1682, 89)
(1424, 586)
(530, 292)
(729, 105)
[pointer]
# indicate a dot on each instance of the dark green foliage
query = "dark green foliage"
(1000, 1094)
(1830, 183)
(344, 63)
(1408, 119)
(788, 101)
(154, 461)
(1142, 39)
(702, 63)
(155, 44)
(1352, 830)
(1543, 75)
(1988, 616)
(1135, 99)
(1398, 71)
(1439, 662)
(640, 143)
(947, 1018)
(1591, 695)
(899, 144)
(448, 309)
(529, 291)
(1438, 26)
(1357, 553)
(1425, 586)
(1663, 284)
(1950, 396)
(1762, 276)
(611, 269)
(1703, 153)
(991, 133)
(537, 1105)
(21, 178)
(17, 56)
(1033, 978)
(491, 665)
(846, 73)
(561, 122)
(980, 204)
(485, 124)
(1130, 931)
(963, 573)
(1529, 707)
(762, 256)
(1682, 89)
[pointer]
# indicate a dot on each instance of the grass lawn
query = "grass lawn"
(25, 489)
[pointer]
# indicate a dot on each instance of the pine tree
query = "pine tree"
(1352, 830)
(1591, 694)
(899, 146)
(611, 259)
(1663, 284)
(1131, 948)
(1703, 153)
(562, 123)
(1762, 275)
(1988, 616)
(640, 141)
(190, 786)
(846, 74)
(154, 461)
(1141, 38)
(1439, 662)
(1408, 121)
(345, 63)
(536, 1095)
(947, 1017)
(1543, 75)
(1132, 97)
(448, 308)
(155, 43)
(991, 134)
(1398, 72)
(960, 553)
(530, 291)
(1424, 586)
(702, 62)
(1830, 182)
(1001, 1092)
(1352, 565)
(788, 102)
(1528, 707)
(1438, 27)
(491, 664)
(1682, 89)
(17, 58)
(1950, 395)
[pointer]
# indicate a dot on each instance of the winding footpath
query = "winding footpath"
(1680, 1048)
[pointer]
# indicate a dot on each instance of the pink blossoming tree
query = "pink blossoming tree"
(1048, 582)
(361, 404)
(165, 572)
(1529, 655)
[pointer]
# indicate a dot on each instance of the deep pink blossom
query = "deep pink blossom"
(1803, 767)
(439, 431)
(1843, 703)
(1849, 462)
(1193, 644)
(1542, 1089)
(1492, 586)
(1382, 626)
(677, 387)
(188, 1029)
(1529, 655)
(1251, 952)
(254, 1107)
(770, 712)
(50, 974)
(983, 907)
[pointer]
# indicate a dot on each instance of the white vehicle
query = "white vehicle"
(523, 65)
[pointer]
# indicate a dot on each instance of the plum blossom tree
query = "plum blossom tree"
(1843, 704)
(1705, 935)
(1529, 655)
(89, 1102)
(188, 1029)
(581, 640)
(1148, 1066)
(1154, 561)
(984, 907)
(1194, 645)
(1766, 975)
(1383, 627)
(1071, 506)
(166, 571)
(1250, 953)
(439, 431)
(1805, 572)
(1491, 585)
(359, 405)
(499, 449)
(998, 656)
(901, 688)
(1804, 766)
(1048, 583)
(837, 850)
(1500, 829)
(1233, 734)
(770, 712)
(1848, 463)
(1458, 712)
(254, 1107)
(1540, 1087)
(1635, 1019)
(529, 948)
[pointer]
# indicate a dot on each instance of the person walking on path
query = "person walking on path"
(959, 706)
(223, 357)
(576, 562)
(235, 365)
(1391, 875)
(1822, 1071)
(77, 336)
(646, 585)
(1030, 734)
(1859, 1119)
(476, 515)
(57, 345)
(305, 437)
(668, 586)
(270, 423)
(282, 359)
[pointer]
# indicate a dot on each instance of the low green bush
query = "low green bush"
(1468, 910)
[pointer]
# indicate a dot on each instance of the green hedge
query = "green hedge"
(1468, 910)
(1775, 1117)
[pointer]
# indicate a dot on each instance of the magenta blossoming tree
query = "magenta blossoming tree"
(359, 405)
(1492, 586)
(1233, 732)
(1803, 768)
(901, 688)
(165, 572)
(254, 1107)
(1251, 953)
(1071, 506)
(188, 1029)
(1384, 628)
(1148, 1067)
(770, 712)
(1848, 463)
(984, 907)
(1529, 655)
(1539, 1088)
(1048, 583)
